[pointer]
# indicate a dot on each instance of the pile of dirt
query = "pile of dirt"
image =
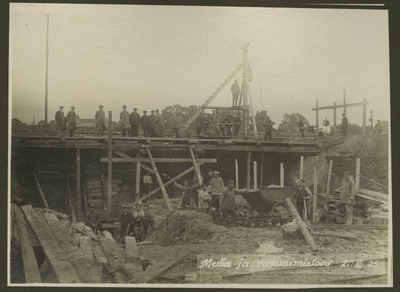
(185, 226)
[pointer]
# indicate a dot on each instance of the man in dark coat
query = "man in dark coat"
(237, 122)
(60, 121)
(235, 93)
(152, 118)
(71, 120)
(345, 123)
(145, 123)
(228, 204)
(228, 123)
(268, 130)
(125, 221)
(134, 120)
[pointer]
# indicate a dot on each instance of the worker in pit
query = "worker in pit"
(125, 221)
(302, 196)
(228, 204)
(92, 217)
(137, 225)
(204, 199)
(148, 221)
(347, 197)
(235, 93)
(217, 186)
(187, 194)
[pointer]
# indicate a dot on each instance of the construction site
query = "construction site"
(55, 181)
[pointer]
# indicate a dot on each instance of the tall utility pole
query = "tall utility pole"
(47, 69)
(244, 89)
(372, 120)
(344, 101)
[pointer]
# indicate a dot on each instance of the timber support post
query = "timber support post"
(358, 173)
(329, 177)
(255, 174)
(137, 181)
(364, 115)
(78, 185)
(248, 170)
(315, 199)
(160, 182)
(236, 174)
(282, 176)
(316, 115)
(109, 193)
(301, 167)
(262, 169)
(41, 191)
(196, 165)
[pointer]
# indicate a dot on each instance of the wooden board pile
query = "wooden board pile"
(72, 253)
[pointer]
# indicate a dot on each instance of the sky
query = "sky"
(150, 57)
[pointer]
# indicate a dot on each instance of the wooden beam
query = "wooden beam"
(63, 269)
(160, 182)
(364, 115)
(145, 167)
(123, 155)
(282, 175)
(78, 185)
(196, 166)
(303, 227)
(329, 177)
(160, 160)
(341, 106)
(255, 175)
(170, 181)
(110, 161)
(71, 205)
(114, 257)
(358, 173)
(137, 180)
(248, 170)
(301, 167)
(315, 198)
(236, 174)
(84, 269)
(31, 268)
(41, 191)
(235, 108)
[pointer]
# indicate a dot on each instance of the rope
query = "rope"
(374, 181)
(259, 83)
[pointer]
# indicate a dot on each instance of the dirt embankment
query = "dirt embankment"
(373, 150)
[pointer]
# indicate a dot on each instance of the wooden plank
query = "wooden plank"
(159, 160)
(114, 257)
(71, 205)
(173, 180)
(99, 256)
(341, 105)
(196, 166)
(93, 237)
(85, 244)
(77, 226)
(131, 248)
(315, 198)
(329, 177)
(345, 226)
(160, 182)
(31, 268)
(40, 191)
(375, 195)
(63, 269)
(303, 227)
(75, 255)
(145, 167)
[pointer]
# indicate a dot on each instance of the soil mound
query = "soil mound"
(186, 226)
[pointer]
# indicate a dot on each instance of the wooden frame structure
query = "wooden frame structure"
(345, 105)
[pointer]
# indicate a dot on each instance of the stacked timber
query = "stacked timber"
(73, 253)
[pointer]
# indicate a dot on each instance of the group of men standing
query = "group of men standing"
(136, 222)
(65, 122)
(228, 126)
(152, 125)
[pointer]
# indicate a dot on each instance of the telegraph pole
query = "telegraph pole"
(47, 69)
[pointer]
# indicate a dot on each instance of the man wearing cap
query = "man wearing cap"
(145, 123)
(124, 121)
(207, 178)
(148, 220)
(126, 219)
(187, 194)
(347, 198)
(228, 205)
(302, 195)
(217, 186)
(134, 120)
(138, 222)
(235, 93)
(71, 120)
(152, 118)
(100, 121)
(60, 121)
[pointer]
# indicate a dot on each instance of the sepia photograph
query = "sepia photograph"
(199, 147)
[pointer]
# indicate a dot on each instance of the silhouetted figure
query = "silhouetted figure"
(235, 93)
(60, 121)
(124, 118)
(71, 120)
(345, 123)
